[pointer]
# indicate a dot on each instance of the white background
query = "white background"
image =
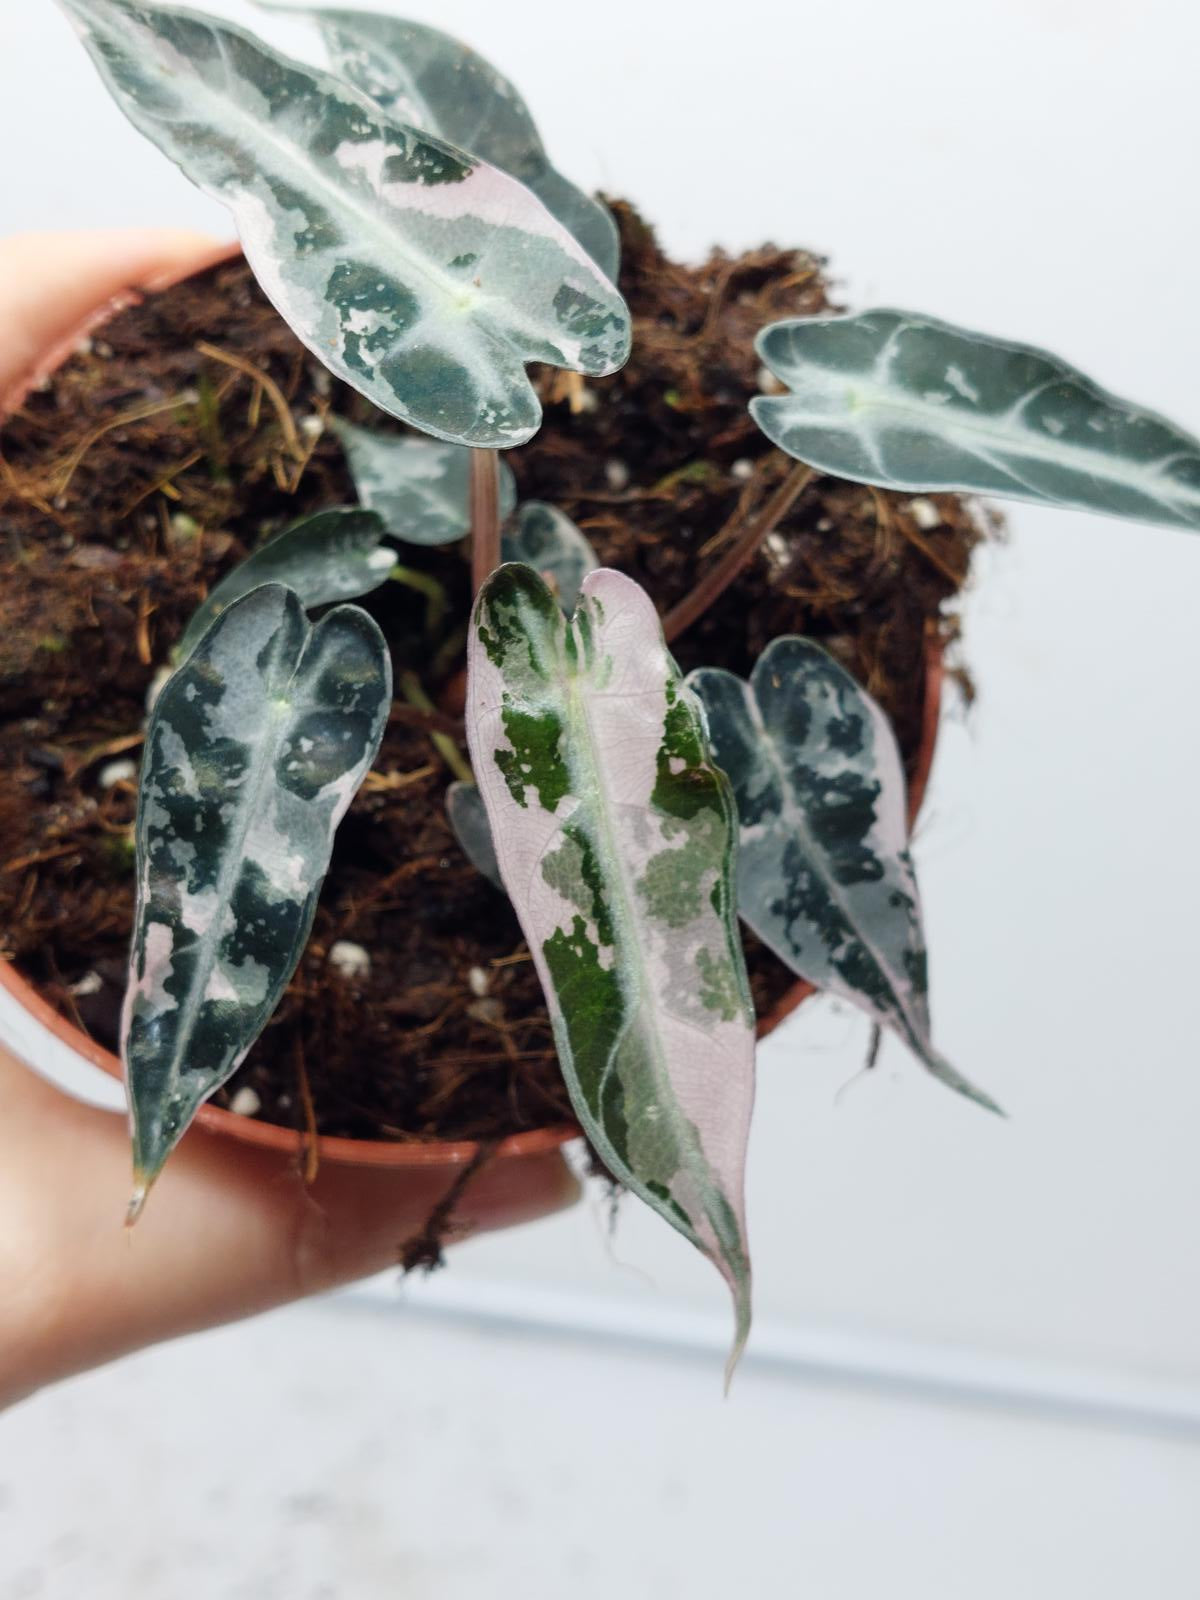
(1028, 167)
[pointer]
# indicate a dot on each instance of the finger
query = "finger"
(229, 1230)
(54, 286)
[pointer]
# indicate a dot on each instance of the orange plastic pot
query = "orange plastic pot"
(28, 1023)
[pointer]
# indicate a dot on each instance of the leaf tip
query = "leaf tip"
(988, 1104)
(137, 1200)
(740, 1335)
(953, 1079)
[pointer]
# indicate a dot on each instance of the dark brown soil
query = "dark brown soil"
(150, 466)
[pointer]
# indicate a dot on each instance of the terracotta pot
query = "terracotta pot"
(34, 1032)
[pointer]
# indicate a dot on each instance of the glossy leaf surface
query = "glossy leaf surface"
(420, 487)
(422, 276)
(615, 836)
(427, 79)
(469, 819)
(824, 873)
(549, 542)
(255, 748)
(334, 555)
(908, 402)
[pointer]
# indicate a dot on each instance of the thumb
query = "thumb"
(55, 286)
(230, 1230)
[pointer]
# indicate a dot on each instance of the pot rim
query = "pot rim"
(335, 1149)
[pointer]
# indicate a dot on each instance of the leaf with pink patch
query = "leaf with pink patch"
(615, 836)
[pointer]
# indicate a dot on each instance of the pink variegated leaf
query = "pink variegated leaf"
(420, 274)
(615, 836)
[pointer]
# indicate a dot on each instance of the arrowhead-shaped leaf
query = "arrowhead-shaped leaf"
(824, 874)
(420, 487)
(332, 556)
(907, 402)
(429, 80)
(422, 276)
(469, 819)
(549, 542)
(615, 835)
(255, 748)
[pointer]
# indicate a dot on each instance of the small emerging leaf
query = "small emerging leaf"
(420, 487)
(908, 402)
(615, 835)
(469, 819)
(429, 80)
(549, 542)
(422, 276)
(256, 747)
(824, 874)
(332, 556)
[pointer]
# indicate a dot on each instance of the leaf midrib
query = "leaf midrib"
(625, 924)
(344, 197)
(768, 744)
(277, 717)
(966, 427)
(263, 132)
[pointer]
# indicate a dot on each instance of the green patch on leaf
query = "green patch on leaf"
(614, 834)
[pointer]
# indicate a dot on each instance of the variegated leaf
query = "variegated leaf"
(549, 542)
(422, 276)
(420, 487)
(825, 878)
(255, 748)
(615, 836)
(469, 819)
(431, 81)
(334, 555)
(908, 402)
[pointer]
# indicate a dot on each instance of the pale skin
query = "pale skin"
(229, 1230)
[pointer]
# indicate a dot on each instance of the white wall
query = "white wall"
(1027, 166)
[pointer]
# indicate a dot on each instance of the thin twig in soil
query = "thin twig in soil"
(714, 583)
(320, 409)
(36, 858)
(886, 523)
(716, 302)
(733, 522)
(142, 633)
(12, 483)
(164, 484)
(620, 497)
(482, 1058)
(400, 874)
(883, 523)
(390, 782)
(310, 1153)
(141, 413)
(74, 765)
(287, 423)
(21, 910)
(919, 542)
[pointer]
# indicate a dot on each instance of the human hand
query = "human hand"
(231, 1230)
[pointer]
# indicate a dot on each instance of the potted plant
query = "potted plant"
(659, 745)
